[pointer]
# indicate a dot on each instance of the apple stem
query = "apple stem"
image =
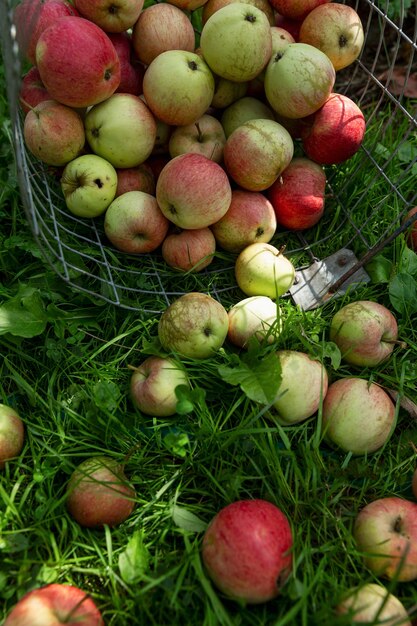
(27, 105)
(282, 249)
(200, 134)
(75, 608)
(398, 342)
(132, 367)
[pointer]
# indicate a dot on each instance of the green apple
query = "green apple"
(257, 316)
(263, 270)
(12, 434)
(226, 92)
(243, 110)
(205, 136)
(89, 185)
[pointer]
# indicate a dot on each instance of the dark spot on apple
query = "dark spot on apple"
(98, 182)
(259, 231)
(278, 56)
(342, 41)
(249, 17)
(95, 132)
(108, 74)
(397, 526)
(112, 9)
(172, 209)
(207, 331)
(193, 66)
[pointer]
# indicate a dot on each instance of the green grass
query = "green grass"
(69, 382)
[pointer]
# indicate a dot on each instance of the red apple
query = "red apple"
(296, 9)
(290, 25)
(153, 384)
(140, 178)
(193, 191)
(131, 70)
(250, 218)
(205, 136)
(246, 550)
(55, 605)
(298, 194)
(72, 41)
(112, 17)
(335, 132)
(189, 250)
(32, 90)
(12, 434)
(412, 233)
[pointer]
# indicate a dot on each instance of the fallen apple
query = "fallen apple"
(153, 384)
(373, 604)
(189, 250)
(255, 317)
(12, 434)
(263, 270)
(205, 136)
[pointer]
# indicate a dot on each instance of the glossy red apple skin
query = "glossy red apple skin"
(295, 9)
(32, 90)
(247, 550)
(51, 605)
(131, 70)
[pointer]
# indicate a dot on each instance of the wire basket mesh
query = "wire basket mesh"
(378, 82)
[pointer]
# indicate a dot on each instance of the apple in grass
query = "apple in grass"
(12, 434)
(131, 70)
(211, 6)
(32, 90)
(193, 191)
(256, 153)
(89, 185)
(246, 550)
(134, 223)
(296, 9)
(255, 317)
(244, 110)
(189, 250)
(153, 384)
(195, 326)
(298, 195)
(263, 270)
(140, 178)
(250, 218)
(112, 17)
(55, 605)
(365, 332)
(162, 27)
(385, 531)
(205, 136)
(236, 42)
(335, 132)
(358, 416)
(373, 604)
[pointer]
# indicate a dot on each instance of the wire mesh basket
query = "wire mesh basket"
(378, 81)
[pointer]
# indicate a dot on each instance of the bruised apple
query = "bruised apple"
(189, 250)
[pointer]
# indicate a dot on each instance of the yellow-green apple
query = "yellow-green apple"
(193, 191)
(54, 133)
(236, 42)
(32, 90)
(385, 531)
(414, 483)
(280, 38)
(373, 604)
(140, 178)
(195, 325)
(263, 270)
(250, 218)
(89, 185)
(257, 152)
(32, 17)
(153, 384)
(121, 129)
(98, 493)
(204, 136)
(211, 6)
(295, 9)
(257, 316)
(226, 92)
(358, 416)
(335, 29)
(12, 434)
(291, 405)
(335, 132)
(131, 69)
(162, 27)
(92, 67)
(134, 223)
(298, 194)
(54, 605)
(112, 17)
(189, 250)
(178, 87)
(246, 550)
(298, 80)
(411, 236)
(244, 110)
(365, 332)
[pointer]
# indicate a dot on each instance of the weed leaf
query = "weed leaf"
(23, 315)
(134, 560)
(259, 378)
(379, 269)
(183, 518)
(403, 293)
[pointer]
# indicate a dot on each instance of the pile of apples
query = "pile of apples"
(188, 149)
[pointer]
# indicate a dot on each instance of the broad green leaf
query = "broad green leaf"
(184, 519)
(134, 560)
(407, 152)
(408, 263)
(188, 399)
(403, 294)
(106, 395)
(332, 352)
(23, 315)
(379, 269)
(259, 378)
(177, 443)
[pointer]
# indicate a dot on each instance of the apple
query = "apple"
(189, 250)
(131, 70)
(291, 25)
(112, 17)
(157, 162)
(335, 29)
(98, 493)
(162, 27)
(373, 604)
(385, 531)
(54, 605)
(226, 92)
(121, 129)
(298, 80)
(298, 195)
(89, 185)
(193, 191)
(263, 270)
(32, 17)
(204, 136)
(246, 550)
(414, 483)
(280, 38)
(140, 178)
(32, 90)
(188, 5)
(358, 416)
(134, 223)
(178, 87)
(54, 133)
(295, 9)
(257, 316)
(244, 110)
(335, 132)
(257, 152)
(71, 41)
(12, 434)
(365, 332)
(153, 384)
(236, 41)
(195, 325)
(411, 236)
(211, 6)
(250, 218)
(291, 405)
